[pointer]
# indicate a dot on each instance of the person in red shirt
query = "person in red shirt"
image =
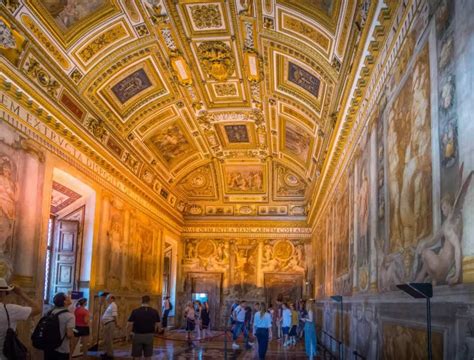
(82, 330)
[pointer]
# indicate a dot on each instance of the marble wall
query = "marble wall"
(411, 202)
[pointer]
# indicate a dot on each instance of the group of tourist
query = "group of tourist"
(58, 332)
(285, 321)
(196, 315)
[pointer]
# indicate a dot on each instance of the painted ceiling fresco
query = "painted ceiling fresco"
(215, 106)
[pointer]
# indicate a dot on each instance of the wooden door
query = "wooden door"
(283, 287)
(209, 283)
(63, 263)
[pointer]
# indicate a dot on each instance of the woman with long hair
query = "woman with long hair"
(310, 341)
(205, 320)
(262, 323)
(82, 330)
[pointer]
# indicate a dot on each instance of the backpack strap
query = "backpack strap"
(57, 315)
(8, 316)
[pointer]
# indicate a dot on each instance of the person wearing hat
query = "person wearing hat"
(15, 312)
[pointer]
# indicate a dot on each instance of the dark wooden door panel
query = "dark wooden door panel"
(64, 256)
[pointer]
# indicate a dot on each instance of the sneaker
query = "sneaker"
(235, 346)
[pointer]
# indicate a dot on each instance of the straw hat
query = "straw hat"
(4, 285)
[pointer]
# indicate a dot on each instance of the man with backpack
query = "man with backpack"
(55, 329)
(10, 314)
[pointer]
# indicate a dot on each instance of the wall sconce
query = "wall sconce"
(181, 69)
(252, 66)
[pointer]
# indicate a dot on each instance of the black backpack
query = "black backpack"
(171, 306)
(13, 349)
(47, 333)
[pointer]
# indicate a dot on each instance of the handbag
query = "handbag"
(13, 349)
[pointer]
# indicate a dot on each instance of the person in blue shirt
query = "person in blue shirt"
(239, 318)
(262, 323)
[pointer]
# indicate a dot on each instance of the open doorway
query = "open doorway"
(70, 232)
(170, 266)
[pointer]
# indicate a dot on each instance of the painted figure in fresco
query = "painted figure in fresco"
(416, 191)
(394, 163)
(443, 250)
(391, 271)
(363, 202)
(8, 199)
(115, 239)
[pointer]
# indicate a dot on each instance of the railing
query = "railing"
(358, 356)
(332, 341)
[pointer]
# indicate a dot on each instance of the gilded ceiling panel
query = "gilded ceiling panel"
(69, 20)
(287, 183)
(170, 143)
(245, 179)
(205, 17)
(304, 31)
(324, 11)
(200, 183)
(98, 45)
(296, 141)
(133, 88)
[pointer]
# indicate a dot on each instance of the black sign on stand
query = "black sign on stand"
(338, 298)
(422, 291)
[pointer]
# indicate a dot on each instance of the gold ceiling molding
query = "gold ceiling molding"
(340, 139)
(304, 31)
(325, 13)
(46, 42)
(345, 26)
(69, 22)
(97, 46)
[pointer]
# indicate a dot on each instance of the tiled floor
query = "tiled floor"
(174, 346)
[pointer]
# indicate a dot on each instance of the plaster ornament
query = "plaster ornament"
(206, 16)
(216, 59)
(447, 93)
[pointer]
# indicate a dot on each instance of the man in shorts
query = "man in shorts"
(144, 322)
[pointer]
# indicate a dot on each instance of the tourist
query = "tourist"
(190, 318)
(61, 303)
(248, 325)
(271, 311)
(278, 315)
(302, 314)
(82, 330)
(239, 318)
(15, 312)
(262, 324)
(167, 307)
(294, 324)
(232, 309)
(205, 320)
(143, 323)
(109, 321)
(285, 323)
(197, 316)
(310, 333)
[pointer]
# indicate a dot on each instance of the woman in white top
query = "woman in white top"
(310, 341)
(262, 323)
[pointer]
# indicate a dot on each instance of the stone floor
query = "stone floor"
(174, 346)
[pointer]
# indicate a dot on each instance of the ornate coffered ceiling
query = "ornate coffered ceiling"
(220, 108)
